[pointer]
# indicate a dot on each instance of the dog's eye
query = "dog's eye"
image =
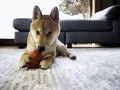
(37, 32)
(49, 33)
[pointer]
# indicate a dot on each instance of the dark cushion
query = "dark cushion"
(109, 13)
(21, 37)
(85, 25)
(22, 24)
(89, 37)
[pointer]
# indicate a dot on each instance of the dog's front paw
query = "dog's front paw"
(71, 56)
(24, 60)
(45, 64)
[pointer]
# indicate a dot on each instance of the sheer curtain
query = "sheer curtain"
(10, 9)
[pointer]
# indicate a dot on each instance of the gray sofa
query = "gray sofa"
(22, 27)
(102, 28)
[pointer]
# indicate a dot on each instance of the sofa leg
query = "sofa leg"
(117, 45)
(69, 45)
(107, 45)
(21, 46)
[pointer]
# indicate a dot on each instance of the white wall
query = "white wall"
(10, 9)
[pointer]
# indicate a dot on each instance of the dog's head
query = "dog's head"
(45, 28)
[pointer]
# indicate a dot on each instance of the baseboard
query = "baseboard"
(7, 42)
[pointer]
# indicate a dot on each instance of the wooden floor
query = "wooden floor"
(8, 47)
(73, 45)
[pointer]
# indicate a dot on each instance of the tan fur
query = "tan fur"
(39, 35)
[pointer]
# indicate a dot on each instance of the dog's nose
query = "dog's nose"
(41, 48)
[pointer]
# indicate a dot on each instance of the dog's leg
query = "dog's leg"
(62, 50)
(47, 61)
(24, 59)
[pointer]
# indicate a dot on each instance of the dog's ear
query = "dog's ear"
(36, 13)
(54, 14)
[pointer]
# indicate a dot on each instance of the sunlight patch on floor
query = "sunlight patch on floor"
(86, 45)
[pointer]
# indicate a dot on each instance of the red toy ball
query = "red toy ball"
(35, 59)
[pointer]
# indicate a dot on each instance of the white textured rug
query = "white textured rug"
(94, 69)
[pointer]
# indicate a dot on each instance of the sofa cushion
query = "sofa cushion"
(109, 13)
(85, 25)
(22, 24)
(89, 37)
(21, 37)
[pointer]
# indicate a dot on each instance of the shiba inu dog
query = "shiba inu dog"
(43, 35)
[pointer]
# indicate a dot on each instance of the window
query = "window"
(11, 9)
(74, 7)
